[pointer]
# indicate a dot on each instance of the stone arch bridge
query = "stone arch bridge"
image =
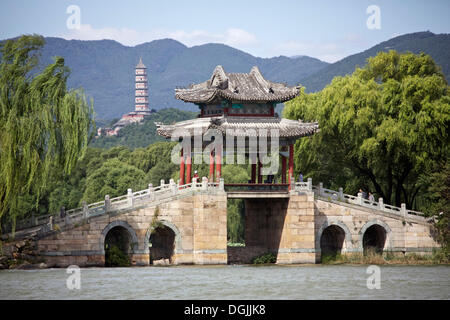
(187, 224)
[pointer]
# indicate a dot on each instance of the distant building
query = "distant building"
(141, 108)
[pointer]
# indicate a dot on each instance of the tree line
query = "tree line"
(383, 128)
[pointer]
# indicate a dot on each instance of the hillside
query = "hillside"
(105, 69)
(143, 134)
(436, 45)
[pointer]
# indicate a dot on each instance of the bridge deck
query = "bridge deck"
(257, 194)
(256, 190)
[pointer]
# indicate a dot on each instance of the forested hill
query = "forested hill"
(436, 45)
(142, 134)
(105, 69)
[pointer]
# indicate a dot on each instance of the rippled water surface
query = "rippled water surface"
(230, 282)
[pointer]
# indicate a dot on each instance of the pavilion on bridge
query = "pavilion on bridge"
(243, 105)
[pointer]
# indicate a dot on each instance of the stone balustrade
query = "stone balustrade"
(167, 191)
(339, 195)
(162, 193)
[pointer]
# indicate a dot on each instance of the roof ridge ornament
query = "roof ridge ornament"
(238, 87)
(259, 77)
(219, 78)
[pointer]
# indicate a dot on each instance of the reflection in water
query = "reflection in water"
(230, 282)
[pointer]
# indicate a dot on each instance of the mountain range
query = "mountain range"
(105, 68)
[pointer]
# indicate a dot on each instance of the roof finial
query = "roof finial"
(140, 64)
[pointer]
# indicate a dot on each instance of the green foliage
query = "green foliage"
(100, 172)
(265, 258)
(156, 223)
(233, 173)
(113, 178)
(142, 134)
(114, 257)
(235, 207)
(44, 128)
(380, 127)
(437, 200)
(235, 220)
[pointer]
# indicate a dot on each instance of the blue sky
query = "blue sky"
(328, 30)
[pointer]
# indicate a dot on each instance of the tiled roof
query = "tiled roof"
(251, 87)
(242, 126)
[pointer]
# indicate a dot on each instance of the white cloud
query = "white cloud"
(130, 37)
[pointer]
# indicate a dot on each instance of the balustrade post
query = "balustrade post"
(341, 194)
(173, 186)
(85, 210)
(162, 182)
(221, 184)
(291, 183)
(321, 189)
(310, 184)
(381, 204)
(150, 191)
(130, 197)
(107, 203)
(50, 223)
(204, 183)
(403, 209)
(194, 183)
(360, 198)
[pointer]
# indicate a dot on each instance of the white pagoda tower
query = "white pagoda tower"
(141, 90)
(141, 108)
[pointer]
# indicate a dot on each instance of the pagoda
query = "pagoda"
(240, 104)
(141, 108)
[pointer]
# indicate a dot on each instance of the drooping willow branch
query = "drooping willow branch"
(43, 126)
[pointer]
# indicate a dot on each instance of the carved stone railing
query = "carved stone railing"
(339, 195)
(165, 192)
(151, 195)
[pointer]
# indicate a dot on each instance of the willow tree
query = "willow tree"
(44, 127)
(380, 127)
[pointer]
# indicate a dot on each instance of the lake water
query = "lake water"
(230, 282)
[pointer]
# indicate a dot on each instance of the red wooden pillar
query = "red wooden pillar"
(259, 172)
(291, 162)
(253, 172)
(211, 167)
(283, 169)
(218, 165)
(189, 167)
(181, 168)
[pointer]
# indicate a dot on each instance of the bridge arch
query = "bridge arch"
(375, 234)
(120, 234)
(166, 235)
(332, 236)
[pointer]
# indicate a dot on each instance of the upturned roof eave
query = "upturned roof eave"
(219, 94)
(289, 129)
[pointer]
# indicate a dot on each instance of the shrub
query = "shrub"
(114, 257)
(265, 258)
